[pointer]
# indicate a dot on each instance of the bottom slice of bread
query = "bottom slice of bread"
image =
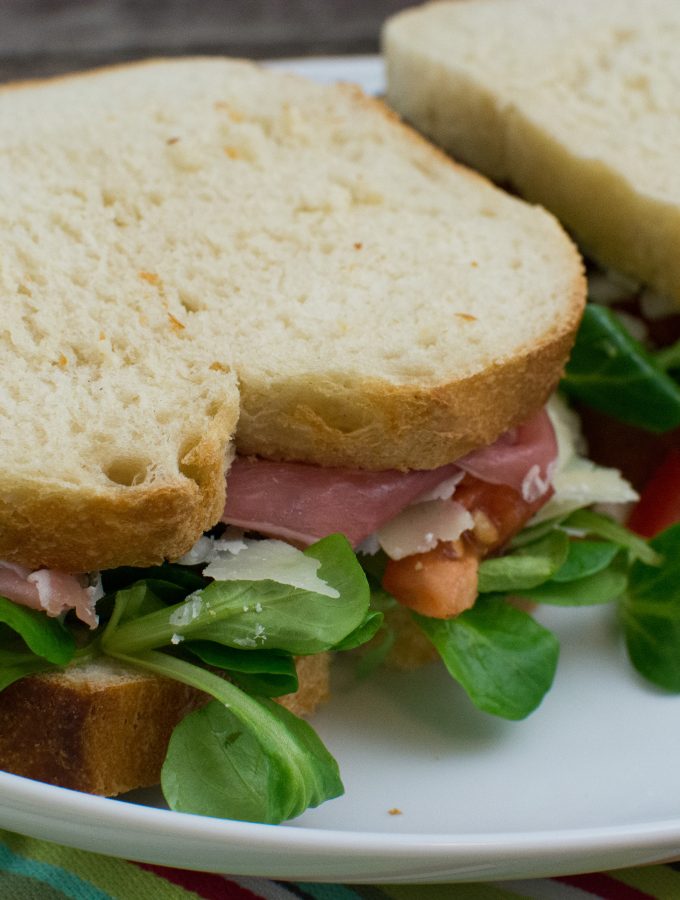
(104, 729)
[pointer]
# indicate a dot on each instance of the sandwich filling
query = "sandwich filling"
(464, 511)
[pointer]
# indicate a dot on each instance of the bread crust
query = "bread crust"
(407, 428)
(61, 527)
(107, 732)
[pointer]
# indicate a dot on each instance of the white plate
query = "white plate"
(591, 781)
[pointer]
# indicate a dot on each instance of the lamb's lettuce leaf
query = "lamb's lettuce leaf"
(526, 567)
(15, 665)
(240, 757)
(219, 765)
(604, 586)
(612, 372)
(268, 673)
(586, 557)
(254, 614)
(585, 522)
(504, 659)
(651, 613)
(364, 633)
(46, 637)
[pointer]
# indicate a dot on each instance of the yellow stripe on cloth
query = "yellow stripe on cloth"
(659, 881)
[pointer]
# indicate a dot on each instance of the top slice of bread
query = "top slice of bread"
(575, 104)
(170, 228)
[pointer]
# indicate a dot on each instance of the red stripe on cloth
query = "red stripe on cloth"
(205, 885)
(604, 886)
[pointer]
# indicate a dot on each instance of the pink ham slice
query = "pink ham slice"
(48, 590)
(302, 503)
(522, 458)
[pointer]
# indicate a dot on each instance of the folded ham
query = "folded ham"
(49, 590)
(302, 503)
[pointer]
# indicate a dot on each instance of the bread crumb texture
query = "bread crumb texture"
(177, 233)
(104, 728)
(575, 104)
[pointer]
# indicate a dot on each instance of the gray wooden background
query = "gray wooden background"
(42, 37)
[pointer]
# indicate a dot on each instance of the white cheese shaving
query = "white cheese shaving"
(187, 612)
(95, 591)
(534, 485)
(369, 546)
(420, 527)
(444, 490)
(273, 560)
(206, 549)
(578, 481)
(245, 642)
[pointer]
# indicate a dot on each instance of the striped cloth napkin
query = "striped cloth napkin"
(38, 870)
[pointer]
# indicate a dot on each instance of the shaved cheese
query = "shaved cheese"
(578, 481)
(534, 485)
(187, 612)
(369, 546)
(270, 560)
(420, 527)
(444, 490)
(202, 551)
(206, 549)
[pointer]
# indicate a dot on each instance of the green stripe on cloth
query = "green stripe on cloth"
(659, 881)
(104, 876)
(43, 879)
(329, 891)
(23, 887)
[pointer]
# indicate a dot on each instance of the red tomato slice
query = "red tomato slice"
(659, 505)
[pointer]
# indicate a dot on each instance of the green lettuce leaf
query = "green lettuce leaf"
(217, 766)
(45, 636)
(592, 523)
(504, 660)
(586, 558)
(651, 613)
(16, 665)
(601, 587)
(526, 567)
(250, 614)
(241, 758)
(612, 372)
(268, 673)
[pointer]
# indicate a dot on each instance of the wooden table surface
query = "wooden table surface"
(43, 37)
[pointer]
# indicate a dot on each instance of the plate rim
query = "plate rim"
(330, 855)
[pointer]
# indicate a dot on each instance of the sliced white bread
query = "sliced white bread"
(162, 223)
(574, 104)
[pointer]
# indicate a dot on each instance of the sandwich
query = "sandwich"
(274, 383)
(576, 108)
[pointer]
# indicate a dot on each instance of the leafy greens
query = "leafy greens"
(506, 661)
(612, 372)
